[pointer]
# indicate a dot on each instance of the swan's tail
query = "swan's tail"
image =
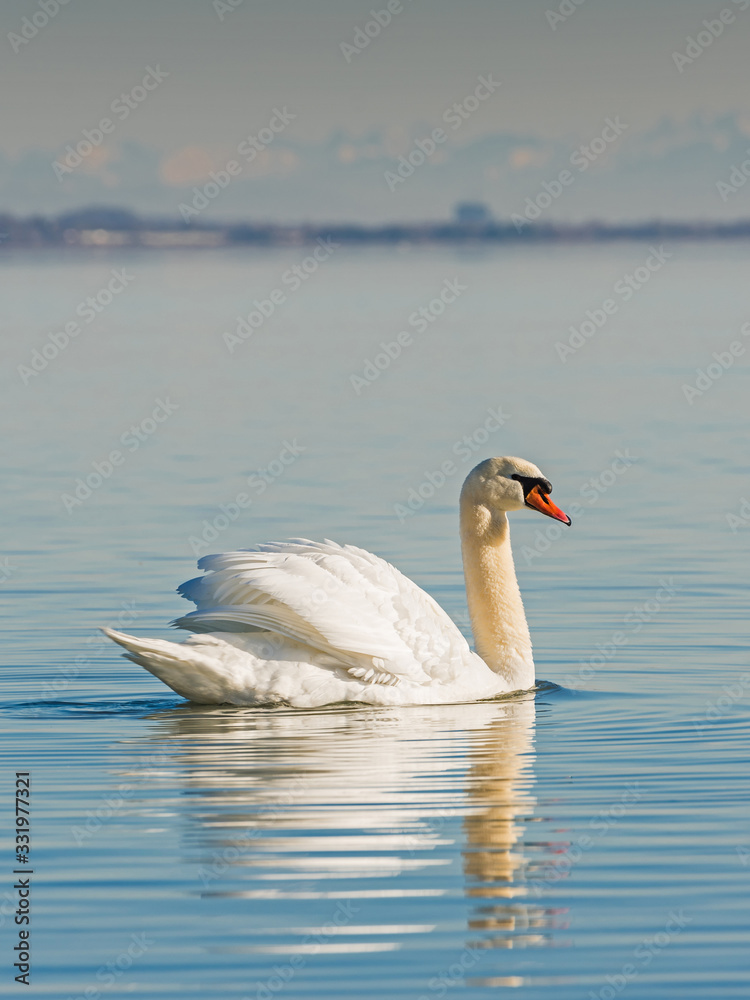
(188, 670)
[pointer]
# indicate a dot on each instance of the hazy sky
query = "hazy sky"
(226, 72)
(609, 57)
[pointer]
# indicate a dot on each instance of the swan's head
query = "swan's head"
(503, 484)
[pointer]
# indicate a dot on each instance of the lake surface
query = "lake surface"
(587, 840)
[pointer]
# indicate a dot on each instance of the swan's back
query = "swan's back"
(339, 600)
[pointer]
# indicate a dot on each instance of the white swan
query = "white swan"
(314, 623)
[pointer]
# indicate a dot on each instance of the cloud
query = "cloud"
(526, 156)
(189, 165)
(669, 171)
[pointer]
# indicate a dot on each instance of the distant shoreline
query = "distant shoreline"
(114, 228)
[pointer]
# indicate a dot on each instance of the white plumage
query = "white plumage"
(313, 623)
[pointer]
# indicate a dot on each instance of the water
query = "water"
(591, 839)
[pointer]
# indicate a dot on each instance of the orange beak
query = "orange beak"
(541, 502)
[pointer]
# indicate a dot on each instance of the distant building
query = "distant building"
(472, 213)
(100, 217)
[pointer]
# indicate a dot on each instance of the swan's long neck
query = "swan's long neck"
(501, 635)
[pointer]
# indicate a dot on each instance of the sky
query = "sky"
(349, 110)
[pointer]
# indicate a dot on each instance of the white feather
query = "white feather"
(341, 625)
(337, 599)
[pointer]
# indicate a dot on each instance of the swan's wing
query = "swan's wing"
(340, 600)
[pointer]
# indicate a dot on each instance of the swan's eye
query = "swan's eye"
(529, 482)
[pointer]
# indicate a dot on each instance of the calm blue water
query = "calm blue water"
(590, 840)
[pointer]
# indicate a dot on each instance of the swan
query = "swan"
(307, 624)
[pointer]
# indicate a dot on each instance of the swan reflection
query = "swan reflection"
(365, 807)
